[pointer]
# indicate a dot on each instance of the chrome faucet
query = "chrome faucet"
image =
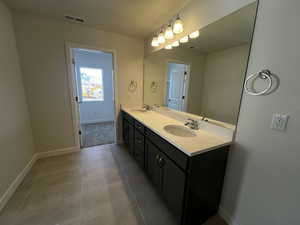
(146, 107)
(193, 124)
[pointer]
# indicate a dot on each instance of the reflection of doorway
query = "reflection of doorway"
(177, 86)
(95, 96)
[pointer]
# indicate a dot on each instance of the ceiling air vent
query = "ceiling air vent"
(74, 19)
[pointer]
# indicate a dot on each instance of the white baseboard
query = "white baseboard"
(41, 155)
(14, 185)
(226, 216)
(18, 180)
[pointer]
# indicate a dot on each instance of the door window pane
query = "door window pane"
(91, 84)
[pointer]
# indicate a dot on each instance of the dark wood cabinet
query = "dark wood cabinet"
(153, 169)
(173, 183)
(167, 177)
(128, 133)
(139, 148)
(191, 186)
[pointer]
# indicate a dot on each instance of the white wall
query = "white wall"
(16, 141)
(263, 183)
(223, 83)
(41, 43)
(96, 111)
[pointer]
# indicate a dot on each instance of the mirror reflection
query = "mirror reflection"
(205, 75)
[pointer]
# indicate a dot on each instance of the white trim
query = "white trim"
(17, 181)
(41, 155)
(72, 87)
(226, 216)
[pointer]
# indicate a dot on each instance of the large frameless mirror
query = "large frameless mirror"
(205, 75)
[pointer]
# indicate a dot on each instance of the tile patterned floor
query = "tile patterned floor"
(99, 186)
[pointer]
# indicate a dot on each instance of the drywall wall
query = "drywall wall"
(198, 14)
(96, 111)
(223, 83)
(41, 43)
(16, 141)
(262, 184)
(155, 69)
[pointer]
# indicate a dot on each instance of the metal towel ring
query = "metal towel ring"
(264, 74)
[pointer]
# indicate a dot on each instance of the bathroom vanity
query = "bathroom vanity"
(187, 170)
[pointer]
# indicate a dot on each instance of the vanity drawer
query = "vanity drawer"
(140, 127)
(172, 152)
(129, 118)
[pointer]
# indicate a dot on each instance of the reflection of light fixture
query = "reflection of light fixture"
(194, 34)
(185, 39)
(161, 38)
(154, 42)
(169, 32)
(168, 47)
(175, 44)
(178, 26)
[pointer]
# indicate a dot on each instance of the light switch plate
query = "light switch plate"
(279, 121)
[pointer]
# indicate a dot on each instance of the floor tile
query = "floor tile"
(101, 185)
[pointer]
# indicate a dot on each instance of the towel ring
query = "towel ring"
(264, 74)
(132, 86)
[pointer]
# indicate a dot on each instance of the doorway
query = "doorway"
(94, 91)
(177, 86)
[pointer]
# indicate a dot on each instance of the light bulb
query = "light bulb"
(175, 44)
(154, 42)
(194, 34)
(178, 26)
(168, 47)
(185, 39)
(169, 33)
(161, 38)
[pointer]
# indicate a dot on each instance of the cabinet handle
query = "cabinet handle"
(157, 159)
(161, 162)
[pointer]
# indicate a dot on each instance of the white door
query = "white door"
(175, 86)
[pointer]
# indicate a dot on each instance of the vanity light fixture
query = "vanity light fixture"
(168, 47)
(175, 44)
(154, 42)
(195, 34)
(185, 39)
(169, 32)
(178, 26)
(161, 38)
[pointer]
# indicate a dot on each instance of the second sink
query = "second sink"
(179, 130)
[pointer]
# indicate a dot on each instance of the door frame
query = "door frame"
(186, 83)
(73, 90)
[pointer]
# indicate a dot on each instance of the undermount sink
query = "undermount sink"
(179, 130)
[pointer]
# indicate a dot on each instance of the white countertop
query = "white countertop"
(203, 141)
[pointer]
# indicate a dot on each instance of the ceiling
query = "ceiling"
(232, 30)
(137, 18)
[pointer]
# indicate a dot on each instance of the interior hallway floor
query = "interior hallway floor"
(98, 133)
(99, 186)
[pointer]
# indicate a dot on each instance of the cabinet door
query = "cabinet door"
(131, 138)
(153, 169)
(139, 153)
(126, 132)
(173, 183)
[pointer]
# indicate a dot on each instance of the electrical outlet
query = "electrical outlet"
(279, 121)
